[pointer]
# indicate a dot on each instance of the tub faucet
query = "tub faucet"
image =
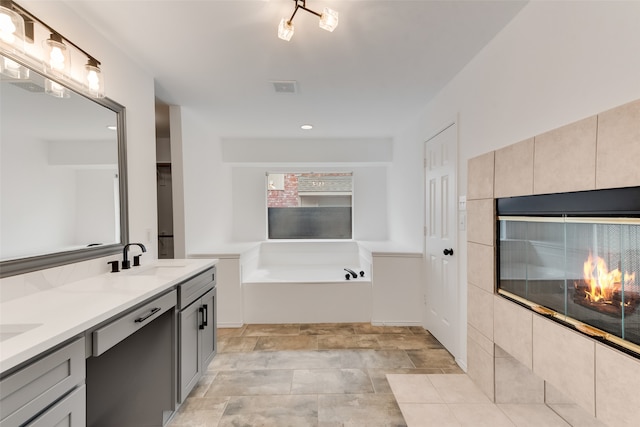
(126, 264)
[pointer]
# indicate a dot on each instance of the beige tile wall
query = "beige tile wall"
(565, 158)
(617, 381)
(618, 150)
(513, 330)
(514, 382)
(566, 359)
(480, 287)
(481, 177)
(597, 152)
(514, 170)
(480, 259)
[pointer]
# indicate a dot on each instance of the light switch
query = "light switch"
(462, 203)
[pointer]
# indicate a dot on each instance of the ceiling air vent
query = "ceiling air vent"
(285, 86)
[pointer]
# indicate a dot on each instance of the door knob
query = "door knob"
(448, 251)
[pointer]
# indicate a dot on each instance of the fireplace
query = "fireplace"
(575, 257)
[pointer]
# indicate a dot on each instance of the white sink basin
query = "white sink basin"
(11, 330)
(159, 270)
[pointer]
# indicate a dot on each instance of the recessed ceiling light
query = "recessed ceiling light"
(306, 127)
(111, 127)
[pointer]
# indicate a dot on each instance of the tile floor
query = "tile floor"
(454, 400)
(330, 375)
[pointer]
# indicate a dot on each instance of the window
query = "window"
(309, 205)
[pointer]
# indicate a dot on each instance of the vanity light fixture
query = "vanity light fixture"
(17, 27)
(328, 20)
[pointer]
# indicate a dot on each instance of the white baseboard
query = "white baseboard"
(379, 323)
(230, 325)
(462, 364)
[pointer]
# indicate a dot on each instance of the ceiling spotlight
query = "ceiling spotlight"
(306, 127)
(328, 20)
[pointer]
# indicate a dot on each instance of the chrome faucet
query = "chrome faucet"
(126, 264)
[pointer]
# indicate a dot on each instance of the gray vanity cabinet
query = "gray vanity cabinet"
(49, 391)
(197, 330)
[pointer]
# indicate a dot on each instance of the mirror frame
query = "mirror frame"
(17, 266)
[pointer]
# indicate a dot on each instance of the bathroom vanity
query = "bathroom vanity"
(115, 349)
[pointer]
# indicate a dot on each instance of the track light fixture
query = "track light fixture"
(328, 20)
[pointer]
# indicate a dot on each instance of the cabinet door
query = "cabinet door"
(208, 334)
(189, 321)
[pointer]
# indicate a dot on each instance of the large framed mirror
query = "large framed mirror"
(63, 195)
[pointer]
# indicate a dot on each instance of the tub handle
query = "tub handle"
(353, 273)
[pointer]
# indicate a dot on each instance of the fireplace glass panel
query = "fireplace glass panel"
(584, 269)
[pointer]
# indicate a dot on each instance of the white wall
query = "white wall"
(207, 187)
(555, 63)
(96, 212)
(225, 197)
(40, 220)
(129, 85)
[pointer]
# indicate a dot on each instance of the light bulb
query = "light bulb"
(11, 29)
(328, 19)
(7, 29)
(94, 79)
(56, 59)
(285, 29)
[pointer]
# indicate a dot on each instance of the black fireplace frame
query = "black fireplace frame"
(594, 203)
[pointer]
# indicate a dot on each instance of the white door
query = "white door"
(441, 275)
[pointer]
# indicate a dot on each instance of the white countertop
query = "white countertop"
(55, 315)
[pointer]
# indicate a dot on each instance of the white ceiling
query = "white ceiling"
(382, 64)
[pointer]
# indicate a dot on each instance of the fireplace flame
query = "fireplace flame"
(603, 283)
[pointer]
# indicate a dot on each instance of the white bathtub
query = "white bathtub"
(306, 274)
(304, 282)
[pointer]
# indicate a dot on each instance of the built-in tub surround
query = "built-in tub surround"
(389, 293)
(515, 354)
(306, 282)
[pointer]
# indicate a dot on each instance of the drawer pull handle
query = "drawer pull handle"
(202, 321)
(205, 316)
(151, 313)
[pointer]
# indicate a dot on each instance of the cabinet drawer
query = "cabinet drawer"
(107, 336)
(32, 389)
(192, 289)
(70, 411)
